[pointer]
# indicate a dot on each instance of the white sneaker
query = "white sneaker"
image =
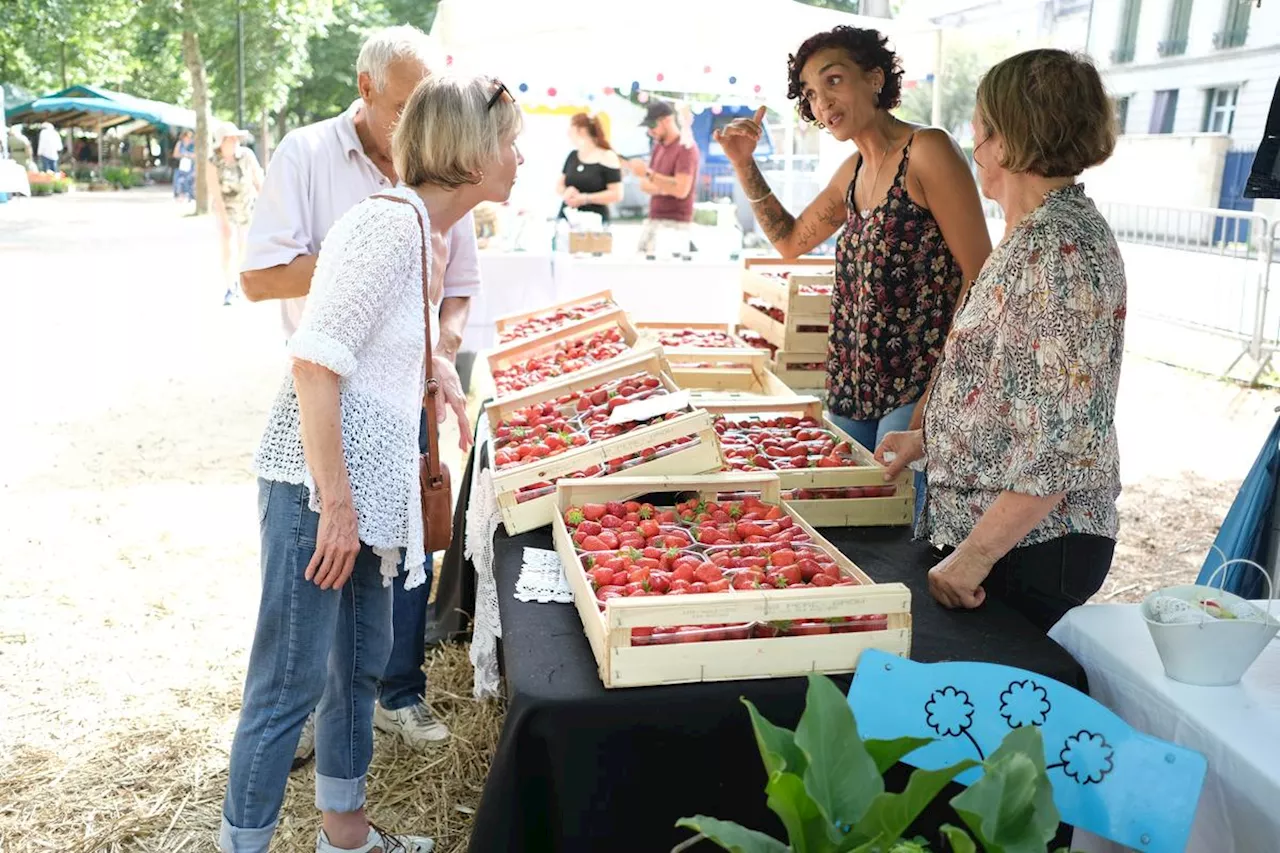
(381, 842)
(306, 743)
(415, 725)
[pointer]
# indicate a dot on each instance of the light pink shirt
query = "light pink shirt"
(318, 173)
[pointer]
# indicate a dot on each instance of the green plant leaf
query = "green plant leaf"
(806, 827)
(1026, 740)
(958, 839)
(732, 837)
(887, 753)
(1010, 809)
(890, 815)
(777, 745)
(841, 776)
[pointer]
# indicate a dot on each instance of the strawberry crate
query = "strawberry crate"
(744, 632)
(524, 325)
(788, 302)
(546, 360)
(708, 356)
(801, 371)
(849, 495)
(683, 444)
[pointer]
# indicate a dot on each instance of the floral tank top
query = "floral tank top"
(895, 293)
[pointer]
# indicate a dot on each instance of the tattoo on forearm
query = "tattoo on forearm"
(774, 220)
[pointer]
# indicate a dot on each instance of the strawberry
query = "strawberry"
(791, 574)
(697, 588)
(683, 573)
(590, 528)
(615, 508)
(646, 511)
(593, 512)
(610, 540)
(783, 557)
(594, 543)
(649, 528)
(573, 516)
(822, 580)
(601, 577)
(721, 585)
(708, 572)
(611, 522)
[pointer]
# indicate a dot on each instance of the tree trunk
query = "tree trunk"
(200, 100)
(282, 122)
(264, 139)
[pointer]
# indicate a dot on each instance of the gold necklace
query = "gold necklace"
(884, 158)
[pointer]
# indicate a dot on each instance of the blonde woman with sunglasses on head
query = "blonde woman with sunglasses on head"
(338, 489)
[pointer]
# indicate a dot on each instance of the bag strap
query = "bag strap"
(432, 387)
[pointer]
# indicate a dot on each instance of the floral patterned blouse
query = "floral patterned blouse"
(896, 290)
(1025, 397)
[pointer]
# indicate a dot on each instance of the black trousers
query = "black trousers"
(1044, 581)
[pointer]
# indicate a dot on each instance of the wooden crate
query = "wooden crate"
(621, 664)
(800, 309)
(687, 354)
(732, 383)
(509, 321)
(797, 378)
(702, 457)
(833, 512)
(518, 351)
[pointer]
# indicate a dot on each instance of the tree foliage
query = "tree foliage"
(963, 64)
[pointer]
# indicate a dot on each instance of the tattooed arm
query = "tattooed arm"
(794, 236)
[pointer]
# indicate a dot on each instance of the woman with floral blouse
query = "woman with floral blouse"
(1019, 439)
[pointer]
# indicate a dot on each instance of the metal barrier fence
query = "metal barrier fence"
(1204, 269)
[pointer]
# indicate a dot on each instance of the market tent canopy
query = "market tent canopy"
(91, 107)
(572, 49)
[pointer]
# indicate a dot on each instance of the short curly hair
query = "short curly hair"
(869, 49)
(1051, 110)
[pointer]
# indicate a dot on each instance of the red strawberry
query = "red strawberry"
(697, 588)
(649, 528)
(822, 580)
(721, 585)
(601, 577)
(611, 521)
(620, 577)
(610, 540)
(594, 543)
(593, 512)
(573, 516)
(615, 508)
(708, 573)
(791, 574)
(783, 557)
(683, 573)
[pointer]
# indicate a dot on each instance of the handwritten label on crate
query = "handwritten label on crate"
(651, 408)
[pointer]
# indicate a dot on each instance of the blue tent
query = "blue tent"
(1246, 532)
(90, 107)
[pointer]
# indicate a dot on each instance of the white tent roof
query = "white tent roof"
(719, 47)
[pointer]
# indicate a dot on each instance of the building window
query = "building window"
(1175, 34)
(1163, 111)
(1219, 110)
(1235, 24)
(1128, 38)
(1122, 113)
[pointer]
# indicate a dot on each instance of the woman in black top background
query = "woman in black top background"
(592, 177)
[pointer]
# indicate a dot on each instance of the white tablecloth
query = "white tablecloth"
(1236, 728)
(698, 291)
(13, 178)
(701, 290)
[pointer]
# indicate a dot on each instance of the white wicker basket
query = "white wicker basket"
(1205, 650)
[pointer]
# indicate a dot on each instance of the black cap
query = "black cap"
(657, 110)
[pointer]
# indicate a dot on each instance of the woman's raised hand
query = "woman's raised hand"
(739, 137)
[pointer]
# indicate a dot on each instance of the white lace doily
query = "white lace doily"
(542, 578)
(483, 519)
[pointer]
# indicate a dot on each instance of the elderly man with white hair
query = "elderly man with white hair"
(317, 174)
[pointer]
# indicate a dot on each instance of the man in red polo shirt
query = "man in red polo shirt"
(668, 178)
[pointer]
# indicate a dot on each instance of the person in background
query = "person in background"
(317, 174)
(1019, 437)
(592, 176)
(913, 228)
(338, 489)
(234, 183)
(48, 148)
(669, 177)
(184, 173)
(19, 147)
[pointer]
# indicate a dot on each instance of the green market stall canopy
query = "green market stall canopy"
(93, 108)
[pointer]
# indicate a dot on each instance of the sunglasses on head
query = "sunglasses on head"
(498, 93)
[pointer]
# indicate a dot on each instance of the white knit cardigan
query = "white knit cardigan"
(363, 321)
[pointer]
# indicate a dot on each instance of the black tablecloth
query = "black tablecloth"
(581, 768)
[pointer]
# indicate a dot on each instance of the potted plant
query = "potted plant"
(826, 785)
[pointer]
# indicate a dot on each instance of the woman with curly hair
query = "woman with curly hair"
(914, 232)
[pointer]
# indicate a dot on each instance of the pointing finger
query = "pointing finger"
(759, 117)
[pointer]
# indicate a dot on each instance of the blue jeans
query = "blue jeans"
(48, 164)
(312, 649)
(869, 433)
(404, 683)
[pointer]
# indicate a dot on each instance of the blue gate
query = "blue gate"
(1234, 174)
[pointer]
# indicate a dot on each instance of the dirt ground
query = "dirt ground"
(129, 559)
